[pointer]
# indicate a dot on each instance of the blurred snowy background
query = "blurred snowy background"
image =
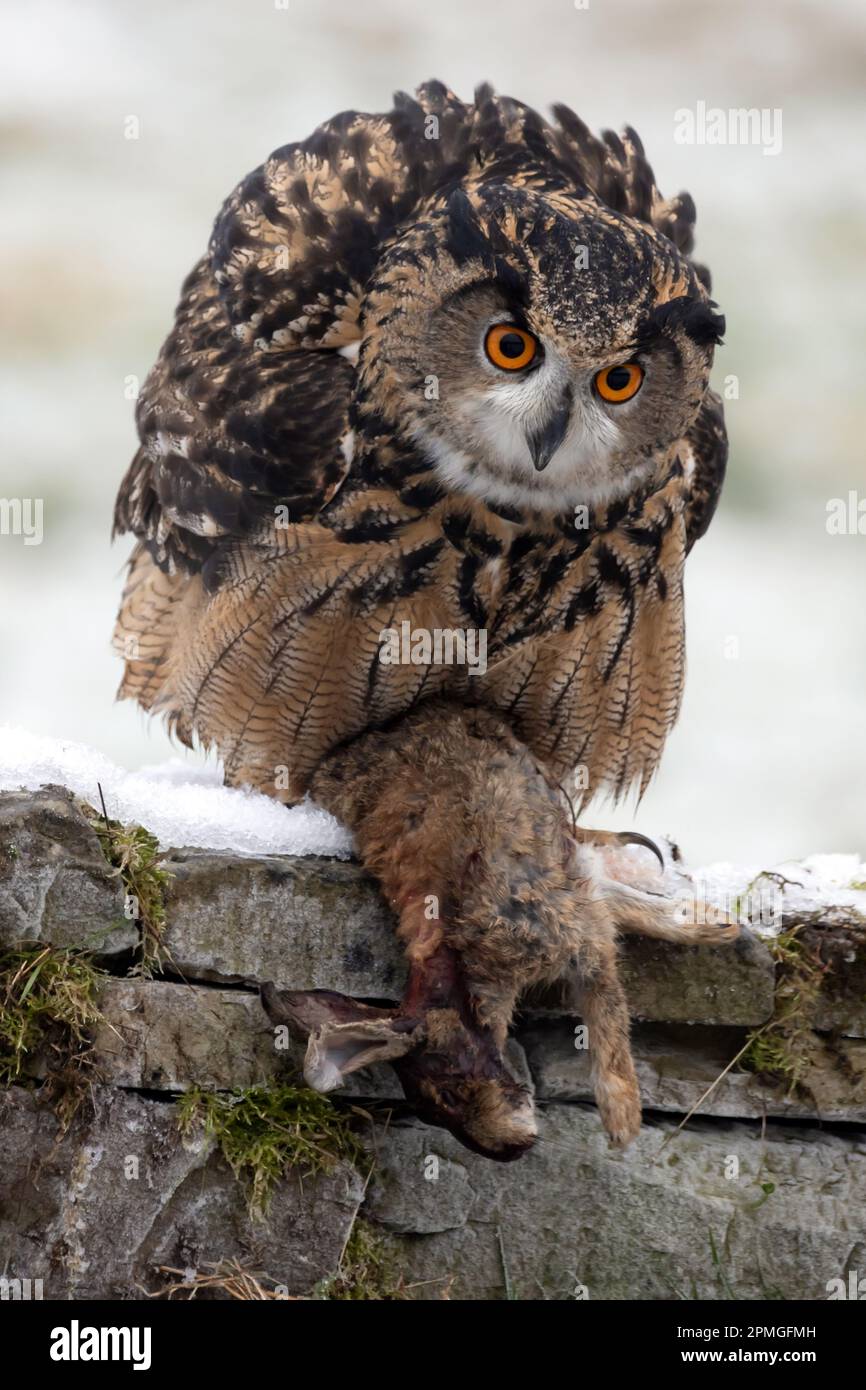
(769, 757)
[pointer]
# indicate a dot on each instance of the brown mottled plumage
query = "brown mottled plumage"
(291, 506)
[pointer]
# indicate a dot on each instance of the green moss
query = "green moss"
(265, 1132)
(134, 854)
(368, 1270)
(786, 1046)
(47, 1005)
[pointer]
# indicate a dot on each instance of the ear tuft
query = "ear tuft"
(465, 240)
(696, 317)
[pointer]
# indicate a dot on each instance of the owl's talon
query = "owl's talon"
(634, 837)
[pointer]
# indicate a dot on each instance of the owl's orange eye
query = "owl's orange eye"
(619, 383)
(510, 347)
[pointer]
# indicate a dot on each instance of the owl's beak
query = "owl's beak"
(544, 442)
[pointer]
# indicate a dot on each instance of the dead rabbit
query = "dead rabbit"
(495, 892)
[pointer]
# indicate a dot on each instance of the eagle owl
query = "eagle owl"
(441, 372)
(445, 367)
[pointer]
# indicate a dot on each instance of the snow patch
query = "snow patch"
(186, 805)
(762, 897)
(808, 885)
(183, 805)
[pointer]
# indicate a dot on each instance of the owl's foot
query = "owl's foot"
(645, 893)
(612, 843)
(625, 856)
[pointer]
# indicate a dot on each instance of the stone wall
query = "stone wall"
(762, 1194)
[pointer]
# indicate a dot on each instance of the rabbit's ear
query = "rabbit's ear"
(343, 1035)
(303, 1010)
(336, 1050)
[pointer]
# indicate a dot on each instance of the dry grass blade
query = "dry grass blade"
(708, 1092)
(228, 1277)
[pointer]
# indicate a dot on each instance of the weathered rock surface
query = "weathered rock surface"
(694, 984)
(677, 1066)
(837, 938)
(321, 924)
(161, 1036)
(55, 883)
(573, 1216)
(303, 923)
(95, 1214)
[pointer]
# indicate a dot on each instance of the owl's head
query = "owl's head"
(541, 350)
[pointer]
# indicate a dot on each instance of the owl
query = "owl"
(440, 371)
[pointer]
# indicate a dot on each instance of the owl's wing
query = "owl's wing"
(296, 241)
(248, 404)
(709, 442)
(227, 433)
